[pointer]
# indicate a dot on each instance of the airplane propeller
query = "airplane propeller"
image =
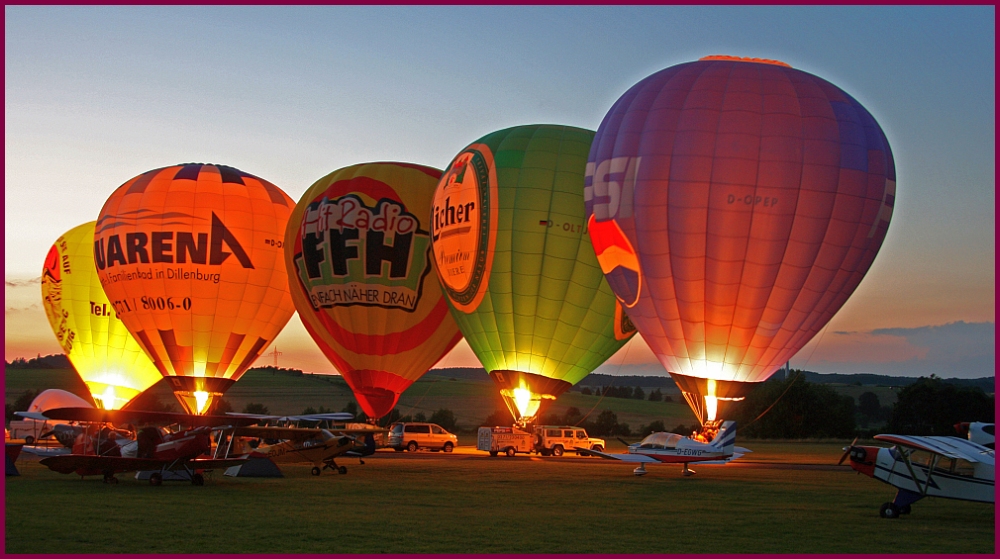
(847, 451)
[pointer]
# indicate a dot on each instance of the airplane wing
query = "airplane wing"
(623, 457)
(31, 415)
(284, 433)
(339, 416)
(949, 447)
(45, 451)
(139, 416)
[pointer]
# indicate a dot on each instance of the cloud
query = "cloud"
(22, 283)
(14, 310)
(956, 349)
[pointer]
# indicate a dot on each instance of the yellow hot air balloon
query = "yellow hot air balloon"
(97, 343)
(359, 260)
(191, 259)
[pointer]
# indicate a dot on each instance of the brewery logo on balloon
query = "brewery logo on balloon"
(464, 226)
(349, 253)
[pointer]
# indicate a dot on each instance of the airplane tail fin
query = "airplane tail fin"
(725, 440)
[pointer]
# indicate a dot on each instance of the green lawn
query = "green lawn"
(463, 503)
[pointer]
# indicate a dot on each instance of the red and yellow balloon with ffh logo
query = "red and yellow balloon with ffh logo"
(358, 252)
(190, 258)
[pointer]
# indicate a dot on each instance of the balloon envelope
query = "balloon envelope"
(358, 257)
(735, 205)
(190, 257)
(100, 347)
(517, 264)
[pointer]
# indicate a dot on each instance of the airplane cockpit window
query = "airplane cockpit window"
(964, 468)
(660, 441)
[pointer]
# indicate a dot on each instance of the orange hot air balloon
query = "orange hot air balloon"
(190, 257)
(359, 262)
(97, 343)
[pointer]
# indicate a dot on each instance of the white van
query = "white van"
(413, 436)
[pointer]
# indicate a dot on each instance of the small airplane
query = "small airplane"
(320, 447)
(96, 451)
(671, 448)
(919, 467)
(978, 432)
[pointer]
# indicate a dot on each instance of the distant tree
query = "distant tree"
(606, 423)
(20, 404)
(656, 396)
(390, 418)
(869, 405)
(445, 418)
(572, 416)
(586, 391)
(800, 410)
(932, 407)
(351, 408)
(684, 430)
(260, 409)
(550, 419)
(653, 427)
(667, 398)
(420, 417)
(638, 394)
(220, 406)
(498, 417)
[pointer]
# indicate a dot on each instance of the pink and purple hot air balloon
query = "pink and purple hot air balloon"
(734, 205)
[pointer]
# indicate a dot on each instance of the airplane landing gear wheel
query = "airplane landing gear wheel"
(315, 470)
(156, 479)
(342, 470)
(197, 479)
(889, 510)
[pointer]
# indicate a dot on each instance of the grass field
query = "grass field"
(464, 502)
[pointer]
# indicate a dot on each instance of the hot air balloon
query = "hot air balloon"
(357, 250)
(735, 204)
(190, 257)
(101, 349)
(517, 264)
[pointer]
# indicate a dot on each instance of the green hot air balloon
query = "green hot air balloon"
(517, 265)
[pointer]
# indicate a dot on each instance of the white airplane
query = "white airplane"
(978, 432)
(671, 448)
(920, 467)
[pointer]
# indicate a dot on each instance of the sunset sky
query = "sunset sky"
(97, 95)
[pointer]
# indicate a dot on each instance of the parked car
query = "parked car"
(413, 436)
(508, 440)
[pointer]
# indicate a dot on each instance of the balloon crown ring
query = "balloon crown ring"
(744, 59)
